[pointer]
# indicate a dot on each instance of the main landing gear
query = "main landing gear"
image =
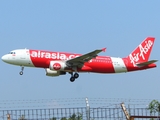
(73, 77)
(21, 72)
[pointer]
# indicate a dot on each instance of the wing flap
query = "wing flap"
(146, 63)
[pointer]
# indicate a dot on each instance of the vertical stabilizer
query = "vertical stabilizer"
(142, 52)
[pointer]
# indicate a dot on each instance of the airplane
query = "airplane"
(60, 63)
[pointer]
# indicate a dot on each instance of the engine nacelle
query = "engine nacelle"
(57, 65)
(54, 73)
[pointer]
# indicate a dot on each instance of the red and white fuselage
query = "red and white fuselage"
(58, 63)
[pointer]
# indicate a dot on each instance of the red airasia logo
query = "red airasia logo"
(56, 66)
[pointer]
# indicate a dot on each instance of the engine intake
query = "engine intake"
(57, 65)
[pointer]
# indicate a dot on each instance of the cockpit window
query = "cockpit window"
(12, 53)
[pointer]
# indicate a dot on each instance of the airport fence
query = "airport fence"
(80, 113)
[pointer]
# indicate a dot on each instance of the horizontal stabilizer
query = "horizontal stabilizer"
(146, 63)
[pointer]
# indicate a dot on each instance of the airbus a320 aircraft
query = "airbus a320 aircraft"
(59, 63)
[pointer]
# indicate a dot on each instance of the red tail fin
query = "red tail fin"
(142, 52)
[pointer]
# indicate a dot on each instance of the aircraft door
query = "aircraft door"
(23, 54)
(24, 58)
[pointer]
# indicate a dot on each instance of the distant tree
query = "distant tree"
(79, 116)
(22, 118)
(53, 118)
(63, 118)
(154, 107)
(74, 116)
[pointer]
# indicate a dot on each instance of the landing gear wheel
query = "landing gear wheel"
(72, 79)
(21, 73)
(76, 75)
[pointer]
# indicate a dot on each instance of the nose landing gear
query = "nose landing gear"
(21, 72)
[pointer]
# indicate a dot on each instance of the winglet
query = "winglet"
(104, 49)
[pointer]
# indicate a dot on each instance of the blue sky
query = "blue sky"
(78, 27)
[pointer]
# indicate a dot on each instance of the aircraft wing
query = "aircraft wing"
(146, 63)
(79, 61)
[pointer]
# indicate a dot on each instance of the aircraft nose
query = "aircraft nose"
(4, 58)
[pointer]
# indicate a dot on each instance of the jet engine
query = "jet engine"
(57, 65)
(54, 73)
